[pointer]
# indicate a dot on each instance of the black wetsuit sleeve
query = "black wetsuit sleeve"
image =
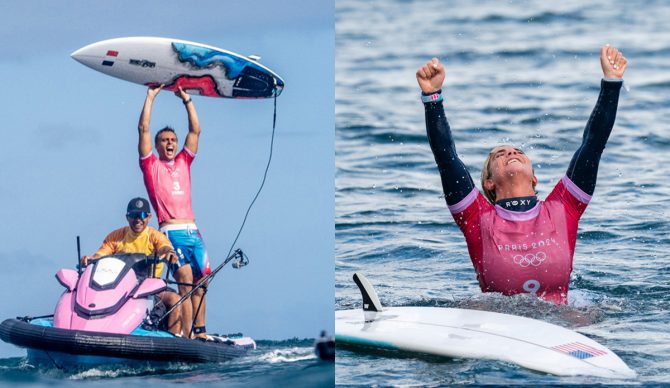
(456, 181)
(583, 169)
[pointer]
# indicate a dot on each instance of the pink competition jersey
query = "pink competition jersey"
(531, 251)
(169, 185)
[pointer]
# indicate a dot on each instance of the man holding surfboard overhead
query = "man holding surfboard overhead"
(517, 243)
(168, 182)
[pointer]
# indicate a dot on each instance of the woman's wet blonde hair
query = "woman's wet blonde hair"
(486, 174)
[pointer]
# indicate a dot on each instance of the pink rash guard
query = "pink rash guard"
(523, 252)
(169, 185)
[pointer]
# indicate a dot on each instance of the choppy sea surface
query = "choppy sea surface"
(273, 363)
(520, 72)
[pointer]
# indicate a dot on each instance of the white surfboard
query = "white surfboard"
(461, 333)
(195, 67)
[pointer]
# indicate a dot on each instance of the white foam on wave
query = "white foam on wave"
(98, 373)
(580, 299)
(288, 355)
(122, 371)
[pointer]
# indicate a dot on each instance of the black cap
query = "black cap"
(137, 205)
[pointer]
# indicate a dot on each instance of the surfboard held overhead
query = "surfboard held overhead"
(197, 68)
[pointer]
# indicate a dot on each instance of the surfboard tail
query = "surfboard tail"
(371, 303)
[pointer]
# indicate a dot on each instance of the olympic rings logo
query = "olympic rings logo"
(530, 259)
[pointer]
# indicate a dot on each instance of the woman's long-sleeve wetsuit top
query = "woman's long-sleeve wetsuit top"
(531, 250)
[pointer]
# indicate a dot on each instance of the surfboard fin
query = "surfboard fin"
(371, 303)
(254, 57)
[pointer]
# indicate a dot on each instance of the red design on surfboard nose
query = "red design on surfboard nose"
(205, 85)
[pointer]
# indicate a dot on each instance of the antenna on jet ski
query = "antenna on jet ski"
(154, 264)
(78, 257)
(242, 260)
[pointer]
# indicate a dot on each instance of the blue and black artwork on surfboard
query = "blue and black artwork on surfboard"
(250, 79)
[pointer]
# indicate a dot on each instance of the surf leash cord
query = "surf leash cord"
(265, 173)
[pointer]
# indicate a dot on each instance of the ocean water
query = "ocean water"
(273, 363)
(520, 72)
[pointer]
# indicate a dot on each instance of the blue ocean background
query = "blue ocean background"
(520, 72)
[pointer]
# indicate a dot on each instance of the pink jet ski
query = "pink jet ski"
(101, 318)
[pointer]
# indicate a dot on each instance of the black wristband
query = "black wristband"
(438, 91)
(187, 101)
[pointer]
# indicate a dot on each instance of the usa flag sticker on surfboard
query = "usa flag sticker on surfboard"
(579, 350)
(197, 68)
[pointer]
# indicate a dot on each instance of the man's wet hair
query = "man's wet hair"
(165, 129)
